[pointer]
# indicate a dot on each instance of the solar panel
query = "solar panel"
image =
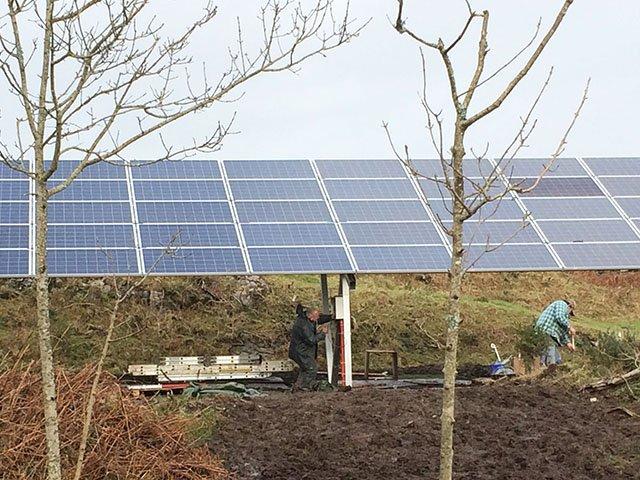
(261, 169)
(200, 261)
(267, 211)
(416, 233)
(7, 172)
(199, 190)
(496, 233)
(614, 166)
(510, 257)
(14, 212)
(14, 236)
(434, 189)
(14, 190)
(558, 187)
(472, 168)
(14, 263)
(379, 210)
(370, 189)
(534, 167)
(99, 171)
(177, 170)
(92, 262)
(327, 216)
(290, 234)
(559, 208)
(85, 190)
(90, 236)
(402, 258)
(275, 190)
(600, 256)
(622, 186)
(296, 260)
(630, 205)
(361, 169)
(587, 231)
(504, 209)
(185, 235)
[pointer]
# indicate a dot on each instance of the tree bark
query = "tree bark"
(456, 274)
(44, 336)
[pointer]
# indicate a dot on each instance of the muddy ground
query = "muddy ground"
(502, 432)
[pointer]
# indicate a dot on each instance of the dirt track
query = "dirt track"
(503, 432)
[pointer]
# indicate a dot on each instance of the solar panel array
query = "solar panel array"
(200, 217)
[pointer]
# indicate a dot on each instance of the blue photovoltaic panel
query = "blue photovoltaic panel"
(14, 236)
(14, 212)
(622, 186)
(510, 257)
(588, 231)
(534, 167)
(14, 263)
(90, 236)
(288, 234)
(380, 211)
(290, 260)
(194, 261)
(183, 212)
(217, 235)
(176, 170)
(275, 189)
(496, 233)
(260, 169)
(435, 189)
(92, 262)
(89, 212)
(261, 212)
(600, 256)
(14, 190)
(402, 259)
(98, 171)
(361, 169)
(416, 233)
(370, 189)
(559, 208)
(614, 166)
(180, 190)
(7, 172)
(559, 187)
(631, 206)
(92, 190)
(471, 168)
(505, 209)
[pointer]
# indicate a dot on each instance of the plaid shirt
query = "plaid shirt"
(554, 321)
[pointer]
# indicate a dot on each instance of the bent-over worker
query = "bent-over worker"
(554, 322)
(304, 343)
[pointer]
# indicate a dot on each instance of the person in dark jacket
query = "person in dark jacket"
(304, 344)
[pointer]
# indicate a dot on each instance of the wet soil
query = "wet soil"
(511, 431)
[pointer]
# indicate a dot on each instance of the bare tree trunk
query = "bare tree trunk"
(456, 274)
(44, 336)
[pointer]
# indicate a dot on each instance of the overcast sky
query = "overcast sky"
(334, 107)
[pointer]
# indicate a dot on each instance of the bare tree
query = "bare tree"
(84, 71)
(468, 193)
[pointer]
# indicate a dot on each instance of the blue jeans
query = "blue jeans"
(551, 354)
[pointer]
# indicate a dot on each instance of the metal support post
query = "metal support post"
(346, 330)
(331, 332)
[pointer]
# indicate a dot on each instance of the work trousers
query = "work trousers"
(307, 374)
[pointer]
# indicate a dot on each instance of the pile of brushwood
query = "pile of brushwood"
(127, 440)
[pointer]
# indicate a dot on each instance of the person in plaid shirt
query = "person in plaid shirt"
(554, 322)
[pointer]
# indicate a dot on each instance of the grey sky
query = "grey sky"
(334, 107)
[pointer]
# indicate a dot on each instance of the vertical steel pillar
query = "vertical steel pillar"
(346, 330)
(329, 339)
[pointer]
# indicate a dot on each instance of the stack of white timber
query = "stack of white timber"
(225, 367)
